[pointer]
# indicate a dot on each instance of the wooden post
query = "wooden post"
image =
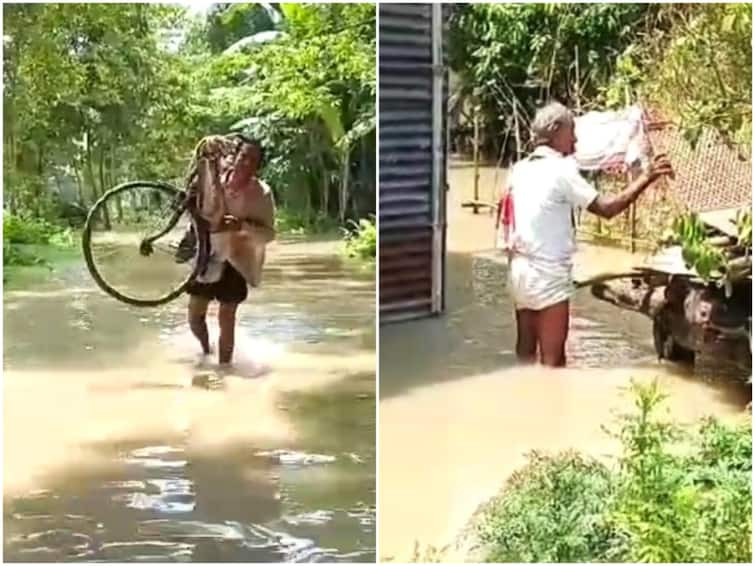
(516, 133)
(633, 206)
(633, 233)
(579, 112)
(476, 159)
(599, 224)
(576, 65)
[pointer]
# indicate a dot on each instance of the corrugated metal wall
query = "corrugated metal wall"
(412, 176)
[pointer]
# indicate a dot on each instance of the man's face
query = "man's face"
(565, 140)
(249, 158)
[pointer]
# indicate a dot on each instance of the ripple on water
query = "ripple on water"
(46, 544)
(158, 483)
(145, 551)
(295, 458)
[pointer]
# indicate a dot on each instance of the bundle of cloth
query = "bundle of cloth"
(238, 207)
(612, 141)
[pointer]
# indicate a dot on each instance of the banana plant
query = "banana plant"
(709, 260)
(344, 141)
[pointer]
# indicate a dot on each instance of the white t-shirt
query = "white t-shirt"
(546, 187)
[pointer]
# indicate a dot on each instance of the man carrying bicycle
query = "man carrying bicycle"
(239, 210)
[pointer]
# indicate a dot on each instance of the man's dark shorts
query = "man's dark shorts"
(231, 288)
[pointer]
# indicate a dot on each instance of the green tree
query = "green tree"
(317, 85)
(83, 81)
(664, 69)
(227, 23)
(100, 93)
(511, 58)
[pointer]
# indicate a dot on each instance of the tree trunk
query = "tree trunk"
(11, 162)
(101, 169)
(325, 190)
(9, 117)
(41, 190)
(344, 192)
(119, 209)
(111, 183)
(40, 161)
(106, 212)
(308, 205)
(79, 184)
(93, 181)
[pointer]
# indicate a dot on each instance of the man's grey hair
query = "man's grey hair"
(548, 119)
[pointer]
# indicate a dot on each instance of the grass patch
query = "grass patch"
(41, 260)
(674, 495)
(32, 247)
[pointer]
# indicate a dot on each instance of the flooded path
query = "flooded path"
(456, 414)
(117, 450)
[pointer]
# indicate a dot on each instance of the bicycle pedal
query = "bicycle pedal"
(186, 250)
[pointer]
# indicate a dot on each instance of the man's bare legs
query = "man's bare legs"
(227, 323)
(198, 321)
(544, 331)
(526, 335)
(552, 329)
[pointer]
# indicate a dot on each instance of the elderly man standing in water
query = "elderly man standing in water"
(543, 190)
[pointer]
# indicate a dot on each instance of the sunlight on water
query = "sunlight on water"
(111, 454)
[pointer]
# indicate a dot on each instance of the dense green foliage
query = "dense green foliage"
(672, 496)
(361, 239)
(695, 65)
(26, 239)
(97, 94)
(510, 58)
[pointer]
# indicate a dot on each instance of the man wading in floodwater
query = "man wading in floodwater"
(240, 212)
(543, 190)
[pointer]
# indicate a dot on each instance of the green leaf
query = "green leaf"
(332, 118)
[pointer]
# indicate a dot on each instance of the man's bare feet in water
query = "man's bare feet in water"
(204, 359)
(224, 368)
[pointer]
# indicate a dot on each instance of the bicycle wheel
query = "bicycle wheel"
(131, 240)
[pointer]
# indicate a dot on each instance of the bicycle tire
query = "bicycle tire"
(86, 242)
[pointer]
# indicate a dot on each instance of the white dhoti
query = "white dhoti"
(536, 284)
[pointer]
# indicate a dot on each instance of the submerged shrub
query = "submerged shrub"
(551, 511)
(672, 496)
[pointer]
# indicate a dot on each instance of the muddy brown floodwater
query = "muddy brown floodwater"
(457, 416)
(117, 450)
